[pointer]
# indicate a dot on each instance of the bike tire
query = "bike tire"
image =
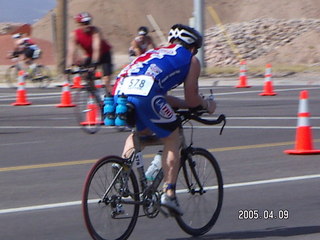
(201, 210)
(101, 219)
(41, 76)
(88, 110)
(11, 76)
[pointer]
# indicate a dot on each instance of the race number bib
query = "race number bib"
(135, 85)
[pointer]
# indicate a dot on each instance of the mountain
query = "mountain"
(119, 19)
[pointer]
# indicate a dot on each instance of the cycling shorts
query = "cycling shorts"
(155, 113)
(105, 62)
(32, 53)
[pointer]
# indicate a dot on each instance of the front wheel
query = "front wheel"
(88, 110)
(199, 190)
(11, 76)
(110, 200)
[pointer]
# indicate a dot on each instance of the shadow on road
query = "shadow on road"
(268, 232)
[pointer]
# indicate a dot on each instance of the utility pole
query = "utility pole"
(198, 6)
(61, 35)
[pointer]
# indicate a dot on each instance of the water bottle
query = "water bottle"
(121, 111)
(155, 167)
(109, 111)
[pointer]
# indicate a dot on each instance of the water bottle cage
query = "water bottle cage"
(122, 116)
(110, 115)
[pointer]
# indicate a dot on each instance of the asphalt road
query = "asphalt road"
(45, 158)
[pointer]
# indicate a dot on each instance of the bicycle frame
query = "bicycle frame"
(139, 145)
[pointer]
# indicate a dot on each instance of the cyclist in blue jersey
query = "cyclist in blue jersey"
(146, 82)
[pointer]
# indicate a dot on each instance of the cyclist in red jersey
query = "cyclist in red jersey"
(97, 50)
(141, 43)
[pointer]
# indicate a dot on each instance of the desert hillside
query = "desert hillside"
(119, 20)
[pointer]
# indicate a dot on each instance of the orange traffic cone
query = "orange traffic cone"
(66, 99)
(243, 75)
(98, 74)
(304, 144)
(92, 113)
(21, 99)
(268, 88)
(77, 81)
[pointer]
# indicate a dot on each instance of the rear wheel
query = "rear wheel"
(41, 76)
(88, 110)
(110, 200)
(199, 190)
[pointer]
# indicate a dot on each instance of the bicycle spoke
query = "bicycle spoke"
(88, 111)
(40, 76)
(108, 200)
(199, 190)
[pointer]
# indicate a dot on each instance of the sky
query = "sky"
(24, 11)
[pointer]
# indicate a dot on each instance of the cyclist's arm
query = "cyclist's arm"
(191, 88)
(71, 49)
(96, 46)
(176, 102)
(135, 48)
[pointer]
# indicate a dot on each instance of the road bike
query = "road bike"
(88, 99)
(112, 197)
(39, 75)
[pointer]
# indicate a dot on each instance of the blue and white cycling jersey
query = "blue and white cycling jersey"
(147, 79)
(168, 66)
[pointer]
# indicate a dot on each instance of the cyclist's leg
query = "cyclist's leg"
(107, 70)
(170, 165)
(157, 115)
(170, 161)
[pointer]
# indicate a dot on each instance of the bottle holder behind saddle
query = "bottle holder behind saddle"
(130, 115)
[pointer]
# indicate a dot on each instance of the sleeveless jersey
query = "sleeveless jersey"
(84, 39)
(142, 45)
(168, 66)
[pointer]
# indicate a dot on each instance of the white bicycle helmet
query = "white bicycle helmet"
(186, 34)
(83, 17)
(17, 35)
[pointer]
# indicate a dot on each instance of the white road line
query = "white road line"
(275, 180)
(186, 127)
(230, 185)
(20, 143)
(252, 91)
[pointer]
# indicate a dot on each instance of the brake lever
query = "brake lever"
(222, 118)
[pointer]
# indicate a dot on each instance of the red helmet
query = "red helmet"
(83, 17)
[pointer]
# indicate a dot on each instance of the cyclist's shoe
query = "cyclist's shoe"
(171, 203)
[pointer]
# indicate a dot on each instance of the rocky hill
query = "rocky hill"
(281, 31)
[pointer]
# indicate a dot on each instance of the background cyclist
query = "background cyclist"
(25, 49)
(141, 43)
(155, 76)
(97, 50)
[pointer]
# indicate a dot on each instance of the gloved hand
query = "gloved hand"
(210, 105)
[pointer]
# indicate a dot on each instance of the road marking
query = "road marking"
(145, 156)
(251, 91)
(231, 185)
(20, 143)
(186, 127)
(47, 165)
